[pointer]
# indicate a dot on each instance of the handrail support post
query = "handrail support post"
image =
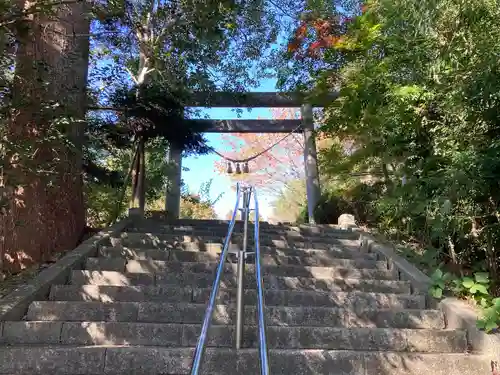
(240, 304)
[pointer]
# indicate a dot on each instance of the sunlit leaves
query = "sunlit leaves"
(418, 91)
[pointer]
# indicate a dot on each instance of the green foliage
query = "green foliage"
(352, 198)
(330, 206)
(476, 287)
(103, 195)
(152, 111)
(289, 203)
(490, 320)
(192, 206)
(101, 204)
(418, 100)
(439, 280)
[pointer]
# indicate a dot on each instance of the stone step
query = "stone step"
(205, 280)
(193, 313)
(202, 246)
(269, 255)
(155, 240)
(210, 226)
(150, 266)
(220, 234)
(356, 300)
(113, 360)
(190, 257)
(293, 233)
(278, 337)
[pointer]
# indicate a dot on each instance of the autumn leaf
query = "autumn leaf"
(315, 45)
(301, 31)
(331, 40)
(293, 46)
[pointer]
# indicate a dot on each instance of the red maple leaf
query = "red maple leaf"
(315, 45)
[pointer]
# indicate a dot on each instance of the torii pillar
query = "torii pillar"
(313, 188)
(173, 189)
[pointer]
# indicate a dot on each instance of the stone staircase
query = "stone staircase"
(137, 308)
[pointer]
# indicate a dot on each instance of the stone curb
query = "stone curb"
(458, 314)
(15, 305)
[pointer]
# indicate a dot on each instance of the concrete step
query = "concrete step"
(278, 337)
(113, 360)
(193, 313)
(354, 300)
(292, 232)
(350, 269)
(210, 226)
(205, 280)
(186, 257)
(280, 256)
(156, 240)
(201, 246)
(211, 236)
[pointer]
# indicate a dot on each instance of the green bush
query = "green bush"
(357, 200)
(329, 207)
(361, 199)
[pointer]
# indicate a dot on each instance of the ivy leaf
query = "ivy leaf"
(480, 324)
(467, 282)
(440, 284)
(457, 286)
(490, 326)
(478, 288)
(438, 274)
(482, 277)
(484, 303)
(436, 292)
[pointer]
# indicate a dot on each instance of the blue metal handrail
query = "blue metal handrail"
(263, 352)
(200, 347)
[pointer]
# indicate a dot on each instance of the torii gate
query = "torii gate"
(254, 100)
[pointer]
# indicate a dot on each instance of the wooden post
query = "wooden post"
(310, 162)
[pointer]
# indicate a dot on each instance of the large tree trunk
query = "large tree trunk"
(42, 176)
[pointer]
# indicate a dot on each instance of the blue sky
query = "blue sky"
(201, 168)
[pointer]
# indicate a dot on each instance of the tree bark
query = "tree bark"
(387, 178)
(43, 167)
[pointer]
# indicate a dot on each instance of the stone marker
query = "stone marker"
(346, 221)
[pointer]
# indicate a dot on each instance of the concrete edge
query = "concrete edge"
(458, 314)
(14, 305)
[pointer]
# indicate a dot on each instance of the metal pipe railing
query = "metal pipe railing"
(261, 319)
(200, 347)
